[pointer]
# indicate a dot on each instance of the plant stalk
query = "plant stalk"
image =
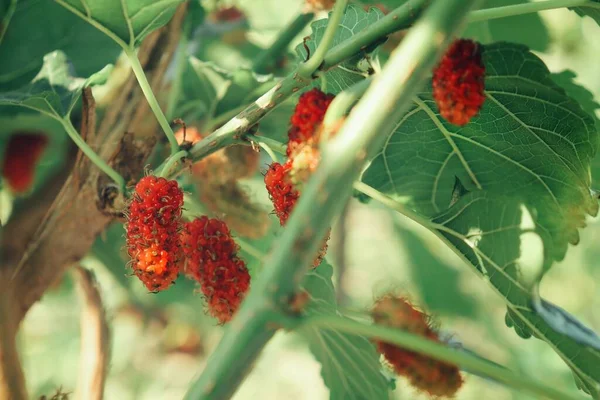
(91, 154)
(308, 68)
(525, 8)
(149, 94)
(280, 45)
(171, 162)
(325, 195)
(437, 351)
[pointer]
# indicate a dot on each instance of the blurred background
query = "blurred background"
(160, 342)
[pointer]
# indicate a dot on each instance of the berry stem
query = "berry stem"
(326, 194)
(91, 154)
(342, 103)
(280, 45)
(269, 151)
(307, 69)
(525, 8)
(149, 94)
(438, 351)
(171, 162)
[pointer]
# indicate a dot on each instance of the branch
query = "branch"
(234, 130)
(325, 195)
(12, 380)
(271, 54)
(95, 346)
(437, 351)
(525, 8)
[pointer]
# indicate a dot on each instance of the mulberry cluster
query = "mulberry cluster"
(458, 82)
(153, 228)
(282, 192)
(424, 373)
(211, 259)
(23, 152)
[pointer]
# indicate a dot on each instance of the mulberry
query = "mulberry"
(22, 155)
(211, 260)
(424, 373)
(308, 116)
(284, 197)
(153, 226)
(458, 82)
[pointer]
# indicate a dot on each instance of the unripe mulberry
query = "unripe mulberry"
(458, 82)
(153, 226)
(424, 373)
(308, 116)
(211, 259)
(22, 154)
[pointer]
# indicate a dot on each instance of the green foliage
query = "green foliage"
(125, 21)
(492, 232)
(530, 140)
(438, 282)
(527, 29)
(349, 72)
(592, 10)
(349, 364)
(87, 49)
(54, 91)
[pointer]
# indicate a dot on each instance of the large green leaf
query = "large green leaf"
(527, 29)
(53, 92)
(87, 49)
(355, 19)
(350, 365)
(492, 233)
(591, 9)
(530, 140)
(437, 282)
(125, 21)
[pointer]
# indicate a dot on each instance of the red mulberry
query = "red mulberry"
(284, 197)
(308, 116)
(458, 82)
(154, 223)
(211, 259)
(424, 373)
(22, 155)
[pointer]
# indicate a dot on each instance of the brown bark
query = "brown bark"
(56, 229)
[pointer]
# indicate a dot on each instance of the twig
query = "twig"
(95, 340)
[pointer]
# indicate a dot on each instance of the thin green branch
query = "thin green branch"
(438, 351)
(171, 162)
(325, 195)
(269, 151)
(272, 143)
(91, 154)
(149, 94)
(271, 54)
(525, 8)
(307, 69)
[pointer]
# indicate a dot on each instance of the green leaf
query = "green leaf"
(492, 232)
(87, 49)
(53, 92)
(591, 9)
(438, 282)
(350, 365)
(127, 22)
(346, 74)
(210, 90)
(530, 140)
(527, 29)
(585, 98)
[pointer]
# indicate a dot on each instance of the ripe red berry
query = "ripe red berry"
(308, 116)
(211, 259)
(282, 192)
(154, 222)
(458, 82)
(424, 373)
(284, 196)
(22, 154)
